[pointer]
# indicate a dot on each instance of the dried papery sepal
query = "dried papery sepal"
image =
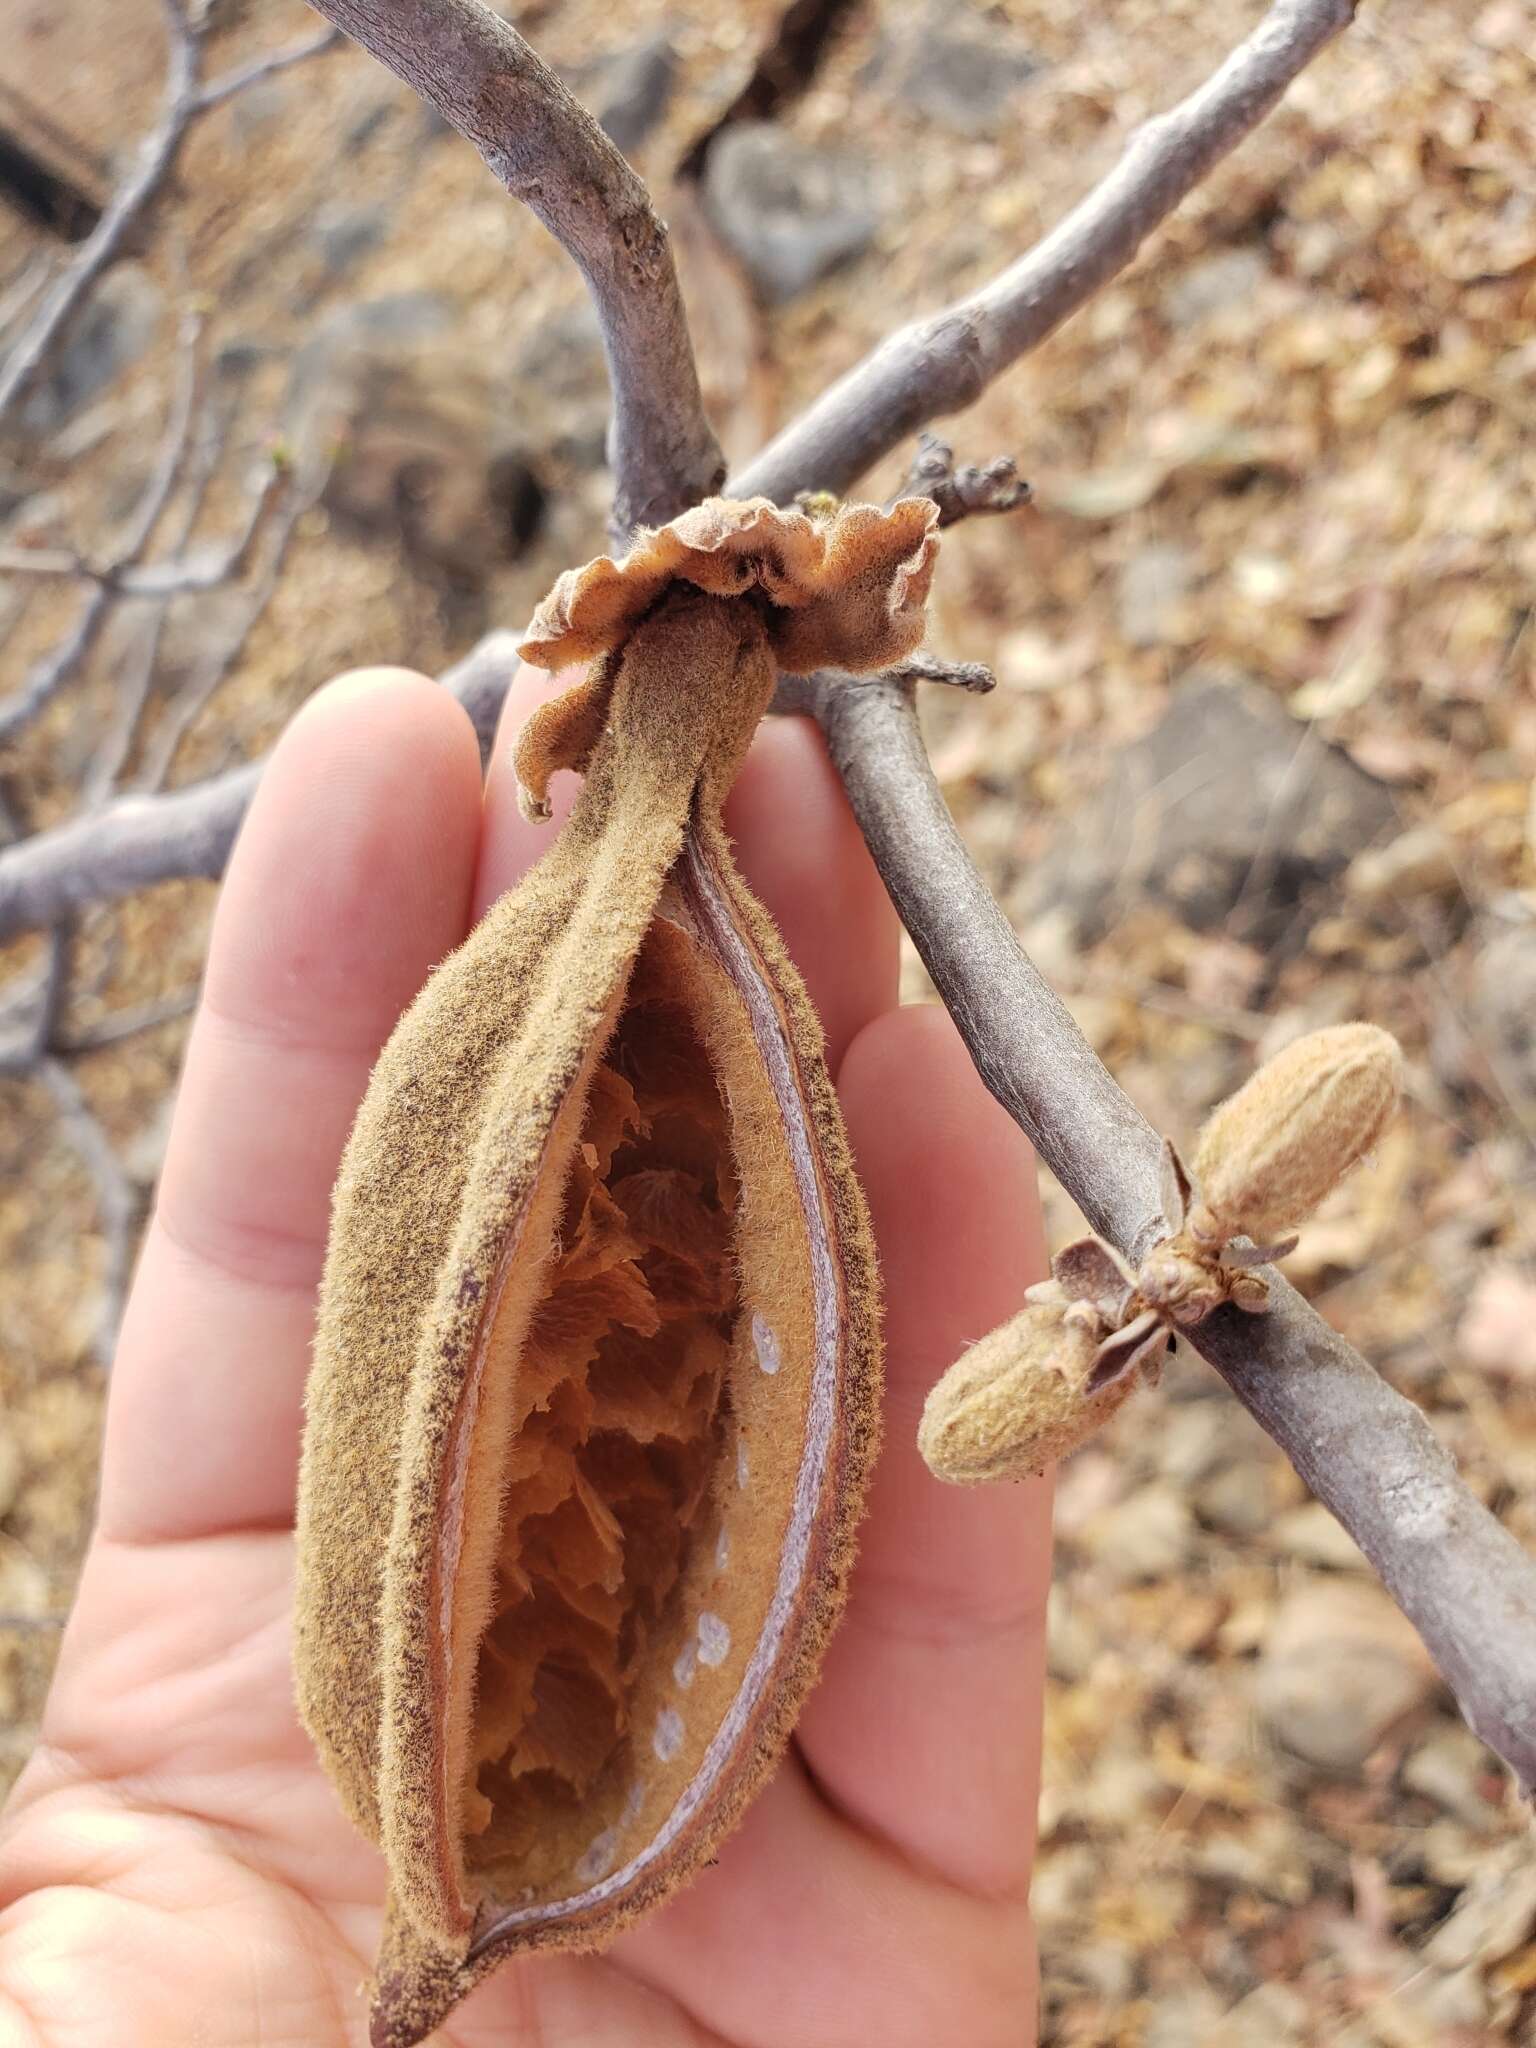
(1175, 1190)
(842, 589)
(597, 1364)
(1278, 1147)
(1089, 1270)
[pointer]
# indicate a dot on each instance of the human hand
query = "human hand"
(174, 1868)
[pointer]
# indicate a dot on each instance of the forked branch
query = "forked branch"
(943, 363)
(1368, 1454)
(549, 152)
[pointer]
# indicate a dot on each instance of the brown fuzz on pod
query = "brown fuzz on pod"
(596, 1378)
(1273, 1151)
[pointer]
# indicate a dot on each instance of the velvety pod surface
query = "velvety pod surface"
(596, 1373)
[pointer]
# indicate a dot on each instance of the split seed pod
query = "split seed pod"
(1271, 1153)
(596, 1372)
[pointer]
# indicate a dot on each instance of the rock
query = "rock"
(1452, 1768)
(1500, 1010)
(117, 324)
(958, 68)
(1146, 1536)
(563, 379)
(344, 235)
(792, 213)
(428, 451)
(1150, 586)
(1341, 1669)
(1227, 812)
(631, 89)
(1421, 862)
(1212, 283)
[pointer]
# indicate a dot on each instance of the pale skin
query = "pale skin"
(174, 1869)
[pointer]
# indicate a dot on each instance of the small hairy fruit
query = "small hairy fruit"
(1020, 1399)
(596, 1376)
(1037, 1386)
(1273, 1151)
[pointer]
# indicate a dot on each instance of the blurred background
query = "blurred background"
(1261, 759)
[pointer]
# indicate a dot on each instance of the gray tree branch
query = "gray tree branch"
(942, 363)
(549, 152)
(1368, 1454)
(136, 841)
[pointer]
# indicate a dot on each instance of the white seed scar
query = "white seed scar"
(668, 1738)
(597, 1860)
(742, 1472)
(722, 1548)
(684, 1663)
(766, 1345)
(714, 1640)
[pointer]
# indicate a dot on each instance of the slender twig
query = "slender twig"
(157, 155)
(131, 1022)
(137, 680)
(139, 840)
(42, 1005)
(185, 99)
(964, 491)
(243, 76)
(549, 152)
(192, 698)
(53, 670)
(1368, 1454)
(115, 1201)
(179, 576)
(943, 363)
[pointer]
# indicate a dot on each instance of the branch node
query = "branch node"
(963, 492)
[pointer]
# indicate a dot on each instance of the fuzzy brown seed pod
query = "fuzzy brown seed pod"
(1271, 1153)
(1027, 1394)
(596, 1378)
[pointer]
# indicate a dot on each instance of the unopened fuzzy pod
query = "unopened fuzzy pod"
(596, 1379)
(1272, 1152)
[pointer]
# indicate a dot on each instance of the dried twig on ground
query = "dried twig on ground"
(1460, 1577)
(549, 152)
(943, 363)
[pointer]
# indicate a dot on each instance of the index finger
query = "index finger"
(349, 881)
